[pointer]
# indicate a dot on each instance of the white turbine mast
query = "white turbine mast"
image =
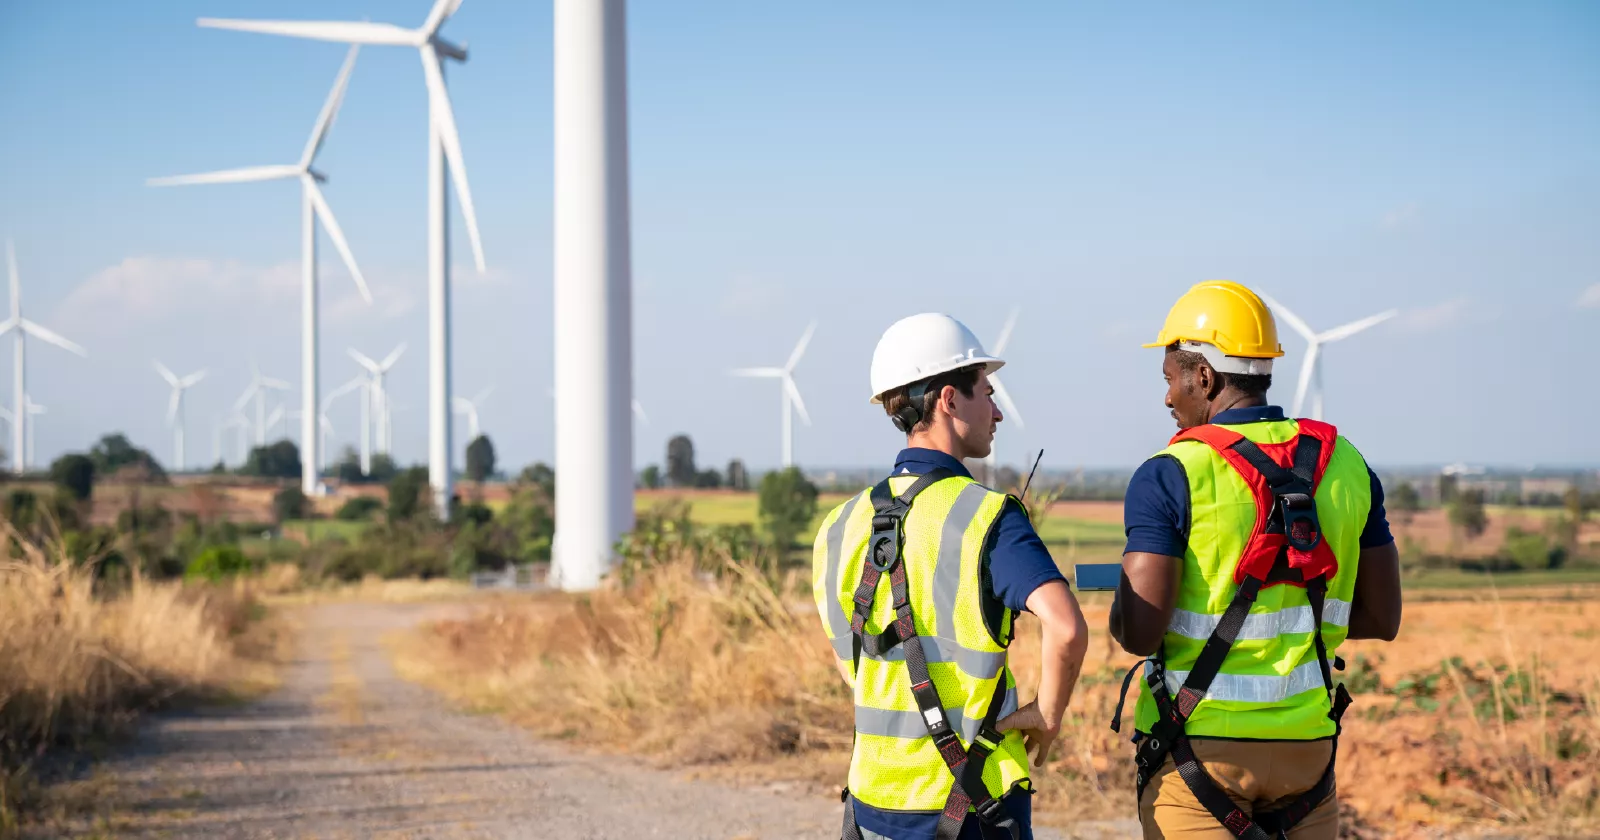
(1001, 395)
(1311, 368)
(313, 206)
(33, 410)
(790, 392)
(259, 385)
(175, 414)
(21, 328)
(444, 149)
(378, 395)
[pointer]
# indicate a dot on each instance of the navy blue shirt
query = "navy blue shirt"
(1017, 564)
(1155, 513)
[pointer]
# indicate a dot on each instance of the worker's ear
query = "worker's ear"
(947, 399)
(1211, 383)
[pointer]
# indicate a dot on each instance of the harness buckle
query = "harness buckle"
(992, 811)
(885, 550)
(1300, 525)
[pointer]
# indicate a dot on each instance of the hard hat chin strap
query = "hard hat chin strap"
(1243, 365)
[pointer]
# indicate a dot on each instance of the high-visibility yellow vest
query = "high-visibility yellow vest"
(1270, 685)
(894, 765)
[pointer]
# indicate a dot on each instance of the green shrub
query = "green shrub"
(290, 503)
(788, 504)
(359, 509)
(216, 563)
(74, 474)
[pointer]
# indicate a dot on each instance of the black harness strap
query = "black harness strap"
(965, 763)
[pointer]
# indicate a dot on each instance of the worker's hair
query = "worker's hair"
(964, 380)
(1249, 384)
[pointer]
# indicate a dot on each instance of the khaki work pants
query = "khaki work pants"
(1256, 775)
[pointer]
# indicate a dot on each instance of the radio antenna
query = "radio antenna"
(1029, 482)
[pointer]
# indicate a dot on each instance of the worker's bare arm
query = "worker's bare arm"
(1064, 641)
(1144, 601)
(1375, 612)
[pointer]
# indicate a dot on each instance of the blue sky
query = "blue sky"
(851, 163)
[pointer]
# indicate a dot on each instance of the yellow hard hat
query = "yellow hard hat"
(1225, 315)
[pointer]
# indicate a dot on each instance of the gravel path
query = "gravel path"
(346, 748)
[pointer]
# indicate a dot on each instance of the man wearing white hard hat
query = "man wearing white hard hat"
(919, 580)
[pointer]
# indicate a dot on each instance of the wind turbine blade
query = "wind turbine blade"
(347, 32)
(1295, 323)
(484, 395)
(1007, 407)
(363, 360)
(394, 356)
(192, 379)
(638, 410)
(1005, 336)
(766, 372)
(8, 326)
(800, 349)
(460, 404)
(172, 407)
(794, 398)
(241, 175)
(330, 108)
(1307, 367)
(440, 13)
(244, 399)
(1357, 326)
(342, 390)
(275, 416)
(45, 335)
(444, 121)
(172, 378)
(331, 225)
(274, 383)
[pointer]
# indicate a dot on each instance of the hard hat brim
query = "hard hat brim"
(990, 365)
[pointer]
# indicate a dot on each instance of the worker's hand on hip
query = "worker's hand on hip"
(1036, 735)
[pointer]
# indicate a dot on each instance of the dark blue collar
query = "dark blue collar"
(1252, 414)
(917, 461)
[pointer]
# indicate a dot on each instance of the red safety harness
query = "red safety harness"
(1286, 547)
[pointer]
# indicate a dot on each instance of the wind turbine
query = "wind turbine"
(175, 416)
(378, 394)
(312, 207)
(259, 385)
(357, 383)
(470, 408)
(791, 393)
(1311, 368)
(22, 424)
(444, 148)
(1007, 407)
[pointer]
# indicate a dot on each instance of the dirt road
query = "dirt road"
(346, 748)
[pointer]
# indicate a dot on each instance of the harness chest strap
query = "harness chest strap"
(965, 764)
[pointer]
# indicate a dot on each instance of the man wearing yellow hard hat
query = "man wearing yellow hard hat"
(1256, 545)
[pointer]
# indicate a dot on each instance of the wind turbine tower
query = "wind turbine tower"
(1311, 368)
(593, 290)
(175, 415)
(21, 328)
(378, 394)
(259, 385)
(1001, 395)
(444, 150)
(790, 392)
(312, 207)
(471, 408)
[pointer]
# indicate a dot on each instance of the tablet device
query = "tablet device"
(1097, 577)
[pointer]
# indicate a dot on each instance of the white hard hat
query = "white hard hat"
(915, 348)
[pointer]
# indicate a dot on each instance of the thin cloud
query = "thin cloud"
(1451, 313)
(145, 288)
(1401, 217)
(1590, 299)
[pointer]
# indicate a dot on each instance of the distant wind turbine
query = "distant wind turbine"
(259, 385)
(312, 207)
(20, 327)
(1311, 369)
(444, 149)
(358, 383)
(1001, 395)
(33, 410)
(175, 415)
(471, 408)
(791, 393)
(382, 415)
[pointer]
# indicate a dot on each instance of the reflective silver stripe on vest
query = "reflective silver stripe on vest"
(838, 622)
(1255, 688)
(947, 574)
(978, 663)
(896, 724)
(1257, 626)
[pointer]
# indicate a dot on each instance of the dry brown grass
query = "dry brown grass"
(1483, 716)
(76, 665)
